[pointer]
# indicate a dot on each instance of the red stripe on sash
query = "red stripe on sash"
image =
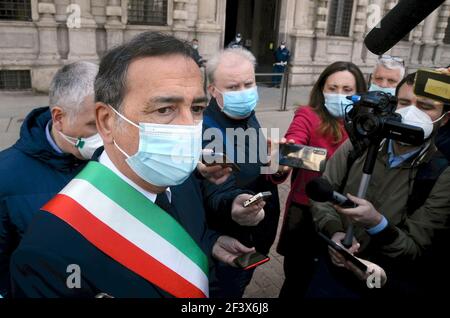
(119, 248)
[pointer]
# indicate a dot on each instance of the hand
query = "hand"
(336, 257)
(249, 216)
(216, 174)
(364, 214)
(372, 270)
(226, 249)
(275, 153)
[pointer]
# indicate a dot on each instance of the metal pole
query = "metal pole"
(282, 91)
(286, 75)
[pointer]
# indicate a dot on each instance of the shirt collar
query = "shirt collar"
(395, 160)
(50, 139)
(106, 161)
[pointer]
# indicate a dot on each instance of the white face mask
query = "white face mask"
(413, 116)
(282, 47)
(86, 146)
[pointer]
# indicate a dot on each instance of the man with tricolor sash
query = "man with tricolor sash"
(131, 223)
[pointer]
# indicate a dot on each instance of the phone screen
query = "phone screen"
(251, 260)
(348, 256)
(303, 157)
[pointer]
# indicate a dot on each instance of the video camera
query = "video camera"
(373, 118)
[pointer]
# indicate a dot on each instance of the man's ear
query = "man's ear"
(57, 117)
(105, 120)
(212, 90)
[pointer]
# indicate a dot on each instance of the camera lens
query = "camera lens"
(367, 124)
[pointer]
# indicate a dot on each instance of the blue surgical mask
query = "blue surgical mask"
(337, 104)
(240, 104)
(374, 87)
(167, 154)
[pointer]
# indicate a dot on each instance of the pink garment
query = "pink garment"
(304, 130)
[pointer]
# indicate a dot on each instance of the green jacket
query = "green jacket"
(407, 236)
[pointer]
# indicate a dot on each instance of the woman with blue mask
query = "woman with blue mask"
(234, 97)
(318, 124)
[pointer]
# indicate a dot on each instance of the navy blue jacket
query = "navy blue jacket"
(31, 173)
(39, 264)
(249, 179)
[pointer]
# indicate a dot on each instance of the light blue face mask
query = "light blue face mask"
(337, 104)
(239, 104)
(167, 154)
(374, 87)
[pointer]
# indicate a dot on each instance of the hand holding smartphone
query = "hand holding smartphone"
(349, 257)
(303, 157)
(211, 158)
(255, 198)
(251, 260)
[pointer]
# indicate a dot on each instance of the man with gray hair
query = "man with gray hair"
(55, 143)
(231, 74)
(387, 73)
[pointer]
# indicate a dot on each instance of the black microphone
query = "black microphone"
(406, 15)
(320, 190)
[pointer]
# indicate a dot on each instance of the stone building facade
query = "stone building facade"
(39, 36)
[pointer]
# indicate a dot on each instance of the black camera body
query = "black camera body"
(373, 118)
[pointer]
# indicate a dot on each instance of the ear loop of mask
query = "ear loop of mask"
(442, 116)
(76, 142)
(128, 121)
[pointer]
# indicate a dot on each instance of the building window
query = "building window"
(15, 10)
(340, 17)
(149, 12)
(12, 80)
(447, 33)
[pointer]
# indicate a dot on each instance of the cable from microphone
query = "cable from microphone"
(320, 190)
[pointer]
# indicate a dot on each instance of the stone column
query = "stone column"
(302, 41)
(429, 42)
(359, 29)
(416, 45)
(208, 29)
(49, 59)
(82, 38)
(114, 26)
(444, 13)
(321, 32)
(48, 41)
(180, 17)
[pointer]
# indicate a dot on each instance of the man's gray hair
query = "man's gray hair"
(390, 64)
(213, 63)
(71, 85)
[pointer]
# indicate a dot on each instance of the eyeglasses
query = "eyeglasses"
(390, 57)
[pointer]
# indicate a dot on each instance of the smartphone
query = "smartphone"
(251, 260)
(347, 255)
(253, 199)
(211, 158)
(432, 84)
(303, 157)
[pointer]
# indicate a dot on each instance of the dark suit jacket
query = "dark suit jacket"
(40, 263)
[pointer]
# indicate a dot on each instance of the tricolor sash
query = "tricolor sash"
(128, 227)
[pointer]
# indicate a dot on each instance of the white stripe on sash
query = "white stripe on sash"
(122, 222)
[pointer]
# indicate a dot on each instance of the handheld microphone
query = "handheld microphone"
(320, 190)
(404, 17)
